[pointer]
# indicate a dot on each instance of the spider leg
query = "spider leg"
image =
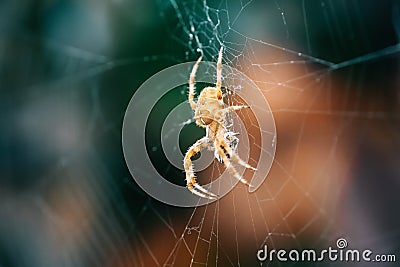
(191, 182)
(239, 161)
(193, 104)
(234, 157)
(219, 70)
(232, 108)
(227, 154)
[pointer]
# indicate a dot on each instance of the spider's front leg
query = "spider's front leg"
(191, 182)
(231, 140)
(227, 154)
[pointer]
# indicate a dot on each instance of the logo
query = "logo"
(341, 243)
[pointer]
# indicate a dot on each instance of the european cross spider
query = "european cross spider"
(210, 113)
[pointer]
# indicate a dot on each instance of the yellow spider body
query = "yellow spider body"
(210, 113)
(209, 106)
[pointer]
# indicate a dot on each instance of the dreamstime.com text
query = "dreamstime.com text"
(340, 253)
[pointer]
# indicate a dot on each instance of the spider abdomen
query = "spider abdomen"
(209, 106)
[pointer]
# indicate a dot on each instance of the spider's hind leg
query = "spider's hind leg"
(234, 108)
(219, 70)
(193, 104)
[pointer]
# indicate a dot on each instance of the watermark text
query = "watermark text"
(339, 253)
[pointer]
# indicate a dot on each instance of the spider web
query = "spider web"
(299, 205)
(329, 71)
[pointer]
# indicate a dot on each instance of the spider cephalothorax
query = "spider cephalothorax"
(210, 113)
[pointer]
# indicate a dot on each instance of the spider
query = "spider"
(210, 112)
